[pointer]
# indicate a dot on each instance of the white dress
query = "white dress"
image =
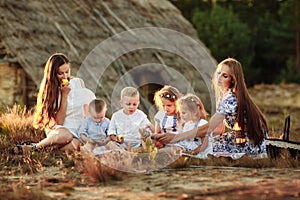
(191, 144)
(77, 97)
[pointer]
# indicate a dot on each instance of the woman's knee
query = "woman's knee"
(66, 134)
(72, 146)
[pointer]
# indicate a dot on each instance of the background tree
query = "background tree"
(224, 34)
(263, 35)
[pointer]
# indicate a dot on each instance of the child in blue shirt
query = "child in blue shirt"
(93, 130)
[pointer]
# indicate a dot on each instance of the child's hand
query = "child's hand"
(151, 127)
(158, 144)
(102, 142)
(113, 138)
(144, 133)
(90, 141)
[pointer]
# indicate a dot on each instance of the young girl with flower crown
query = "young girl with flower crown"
(193, 114)
(167, 119)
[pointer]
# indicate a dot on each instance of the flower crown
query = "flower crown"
(168, 96)
(191, 99)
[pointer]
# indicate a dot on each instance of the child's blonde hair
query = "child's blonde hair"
(193, 104)
(129, 92)
(167, 92)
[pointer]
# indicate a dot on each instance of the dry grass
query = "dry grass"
(276, 102)
(81, 169)
(95, 170)
(16, 127)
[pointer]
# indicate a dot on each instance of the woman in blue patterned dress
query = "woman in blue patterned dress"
(234, 106)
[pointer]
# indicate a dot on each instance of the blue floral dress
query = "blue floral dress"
(226, 142)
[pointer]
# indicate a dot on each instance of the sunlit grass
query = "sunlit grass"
(16, 127)
(83, 168)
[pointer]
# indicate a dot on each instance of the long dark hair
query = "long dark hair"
(47, 99)
(255, 125)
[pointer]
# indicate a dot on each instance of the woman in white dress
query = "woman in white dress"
(60, 106)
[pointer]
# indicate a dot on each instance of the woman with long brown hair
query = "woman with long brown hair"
(235, 108)
(60, 106)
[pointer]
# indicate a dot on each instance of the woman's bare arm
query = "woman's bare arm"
(201, 131)
(201, 147)
(216, 125)
(61, 113)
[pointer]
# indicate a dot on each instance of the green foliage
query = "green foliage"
(289, 74)
(263, 35)
(224, 34)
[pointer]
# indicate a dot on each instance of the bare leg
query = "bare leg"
(71, 146)
(58, 137)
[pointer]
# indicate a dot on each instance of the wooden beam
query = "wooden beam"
(66, 39)
(88, 12)
(164, 65)
(117, 18)
(105, 22)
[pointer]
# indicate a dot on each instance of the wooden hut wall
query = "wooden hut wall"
(32, 30)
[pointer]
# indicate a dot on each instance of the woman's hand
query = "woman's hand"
(164, 138)
(65, 89)
(61, 113)
(191, 152)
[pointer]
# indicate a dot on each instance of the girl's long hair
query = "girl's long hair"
(47, 99)
(250, 118)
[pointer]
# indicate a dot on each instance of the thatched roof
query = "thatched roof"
(31, 30)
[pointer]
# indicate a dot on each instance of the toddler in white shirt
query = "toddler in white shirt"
(127, 121)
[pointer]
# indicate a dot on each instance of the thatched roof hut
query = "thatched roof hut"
(32, 30)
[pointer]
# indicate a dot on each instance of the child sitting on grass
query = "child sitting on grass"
(193, 114)
(129, 119)
(93, 130)
(167, 119)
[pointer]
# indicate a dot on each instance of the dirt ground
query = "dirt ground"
(202, 183)
(194, 182)
(198, 182)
